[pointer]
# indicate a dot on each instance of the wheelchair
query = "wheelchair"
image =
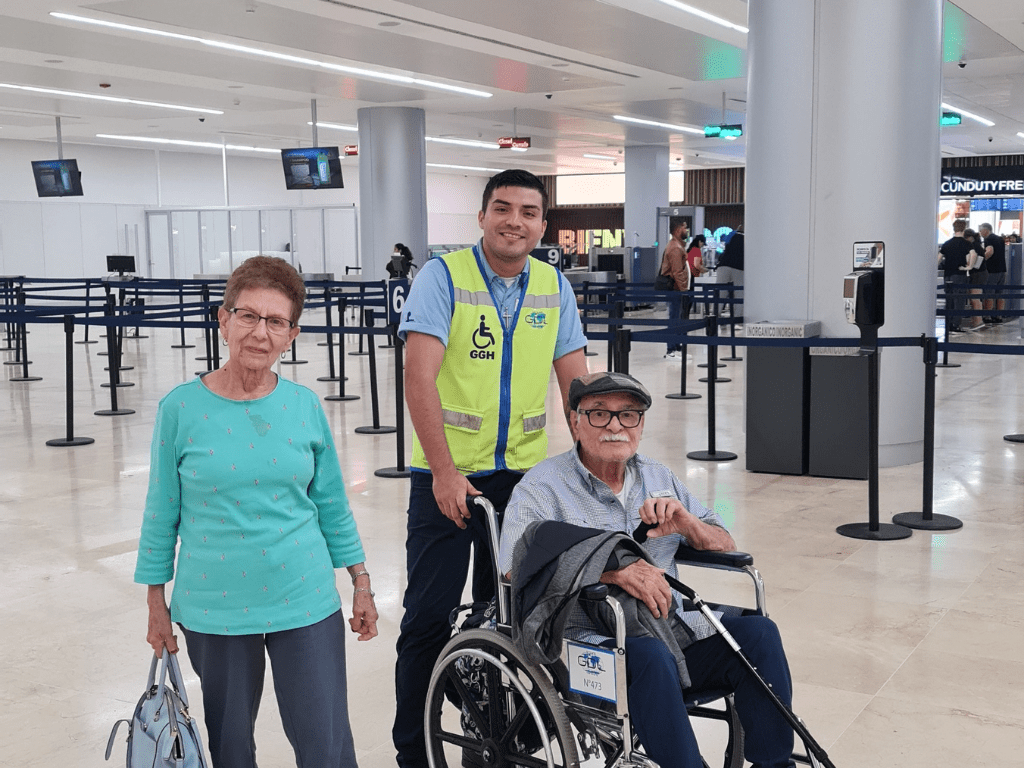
(488, 707)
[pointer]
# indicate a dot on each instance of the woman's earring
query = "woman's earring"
(223, 340)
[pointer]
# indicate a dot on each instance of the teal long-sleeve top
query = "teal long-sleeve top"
(255, 493)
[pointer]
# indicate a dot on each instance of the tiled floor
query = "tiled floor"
(907, 653)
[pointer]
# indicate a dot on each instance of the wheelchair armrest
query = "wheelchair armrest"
(738, 560)
(594, 593)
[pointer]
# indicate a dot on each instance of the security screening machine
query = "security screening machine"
(864, 298)
(488, 707)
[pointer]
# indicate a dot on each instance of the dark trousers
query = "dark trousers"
(656, 698)
(956, 300)
(437, 562)
(308, 664)
(678, 309)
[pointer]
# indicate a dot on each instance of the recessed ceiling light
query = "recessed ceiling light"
(601, 157)
(235, 86)
(335, 126)
(183, 143)
(389, 24)
(116, 99)
(53, 61)
(299, 60)
(705, 15)
(464, 142)
(560, 64)
(464, 167)
(656, 124)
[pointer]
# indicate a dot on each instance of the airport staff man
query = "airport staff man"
(483, 328)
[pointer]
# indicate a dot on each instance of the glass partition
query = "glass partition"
(213, 241)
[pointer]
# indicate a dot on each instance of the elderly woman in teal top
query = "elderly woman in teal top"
(244, 472)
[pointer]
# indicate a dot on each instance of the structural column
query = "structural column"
(392, 185)
(646, 191)
(843, 146)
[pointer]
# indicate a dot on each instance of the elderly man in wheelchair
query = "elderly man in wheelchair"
(609, 670)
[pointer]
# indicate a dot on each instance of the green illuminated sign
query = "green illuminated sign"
(723, 131)
(950, 118)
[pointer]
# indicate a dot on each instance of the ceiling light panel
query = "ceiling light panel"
(303, 61)
(972, 116)
(112, 99)
(183, 143)
(657, 124)
(694, 10)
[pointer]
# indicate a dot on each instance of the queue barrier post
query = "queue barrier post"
(375, 428)
(399, 470)
(114, 350)
(112, 384)
(733, 357)
(341, 396)
(88, 302)
(682, 394)
(945, 340)
(21, 345)
(329, 343)
(181, 314)
(214, 323)
(69, 440)
(711, 454)
(926, 519)
(362, 300)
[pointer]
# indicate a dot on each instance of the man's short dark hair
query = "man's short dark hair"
(516, 177)
(959, 225)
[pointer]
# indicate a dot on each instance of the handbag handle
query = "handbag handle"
(169, 668)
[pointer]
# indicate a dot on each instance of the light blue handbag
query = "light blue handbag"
(161, 732)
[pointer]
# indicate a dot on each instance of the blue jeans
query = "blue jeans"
(437, 563)
(309, 679)
(656, 697)
(678, 309)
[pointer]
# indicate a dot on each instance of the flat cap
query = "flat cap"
(604, 382)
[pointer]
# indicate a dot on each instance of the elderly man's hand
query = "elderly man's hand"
(644, 582)
(670, 516)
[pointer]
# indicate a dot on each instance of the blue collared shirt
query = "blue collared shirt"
(561, 488)
(429, 307)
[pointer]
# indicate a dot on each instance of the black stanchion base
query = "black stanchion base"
(137, 336)
(26, 378)
(385, 346)
(392, 472)
(947, 365)
(885, 532)
(101, 354)
(183, 346)
(330, 378)
(64, 442)
(686, 396)
(110, 412)
(203, 373)
(322, 344)
(15, 362)
(83, 341)
(204, 358)
(588, 353)
(732, 359)
(121, 384)
(339, 398)
(718, 379)
(359, 354)
(123, 368)
(705, 365)
(294, 362)
(709, 456)
(381, 430)
(917, 521)
(1014, 438)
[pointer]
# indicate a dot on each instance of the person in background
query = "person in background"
(953, 260)
(730, 264)
(694, 259)
(244, 473)
(484, 327)
(977, 277)
(675, 276)
(400, 263)
(994, 251)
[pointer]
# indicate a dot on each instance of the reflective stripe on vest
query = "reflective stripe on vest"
(492, 387)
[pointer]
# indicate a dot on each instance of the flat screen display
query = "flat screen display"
(57, 178)
(312, 168)
(117, 263)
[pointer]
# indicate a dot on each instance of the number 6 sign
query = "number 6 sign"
(398, 289)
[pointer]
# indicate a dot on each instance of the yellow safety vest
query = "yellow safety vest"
(494, 379)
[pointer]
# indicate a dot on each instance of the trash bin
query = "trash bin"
(778, 398)
(838, 436)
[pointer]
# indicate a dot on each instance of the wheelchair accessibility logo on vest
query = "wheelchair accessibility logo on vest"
(537, 319)
(483, 339)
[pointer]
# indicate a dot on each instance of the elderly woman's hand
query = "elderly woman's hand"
(160, 634)
(364, 614)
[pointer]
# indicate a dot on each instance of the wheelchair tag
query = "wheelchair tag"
(591, 670)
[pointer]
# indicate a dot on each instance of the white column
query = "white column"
(843, 146)
(646, 191)
(392, 185)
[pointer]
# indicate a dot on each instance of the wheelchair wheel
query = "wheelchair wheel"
(487, 708)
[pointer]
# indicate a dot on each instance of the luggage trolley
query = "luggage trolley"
(488, 707)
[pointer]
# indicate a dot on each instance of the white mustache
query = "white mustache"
(615, 438)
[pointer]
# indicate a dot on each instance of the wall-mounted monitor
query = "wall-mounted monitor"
(57, 178)
(312, 168)
(118, 263)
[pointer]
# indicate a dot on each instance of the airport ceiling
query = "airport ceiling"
(558, 71)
